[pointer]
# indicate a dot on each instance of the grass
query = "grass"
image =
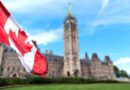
(119, 86)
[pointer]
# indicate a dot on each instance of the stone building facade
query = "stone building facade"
(69, 65)
(10, 65)
(93, 68)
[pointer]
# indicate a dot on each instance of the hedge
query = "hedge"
(39, 80)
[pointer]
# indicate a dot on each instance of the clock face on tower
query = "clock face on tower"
(68, 21)
(72, 21)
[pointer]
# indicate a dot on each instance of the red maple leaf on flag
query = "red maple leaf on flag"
(19, 41)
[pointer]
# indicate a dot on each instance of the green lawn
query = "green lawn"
(72, 87)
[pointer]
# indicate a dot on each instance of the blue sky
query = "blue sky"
(103, 26)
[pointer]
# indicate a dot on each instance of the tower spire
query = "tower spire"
(69, 12)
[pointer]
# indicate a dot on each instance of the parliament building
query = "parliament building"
(69, 65)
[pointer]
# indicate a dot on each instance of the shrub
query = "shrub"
(12, 81)
(39, 80)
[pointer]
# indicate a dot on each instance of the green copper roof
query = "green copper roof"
(69, 12)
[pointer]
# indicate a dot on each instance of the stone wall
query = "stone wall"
(55, 64)
(11, 65)
(97, 69)
(1, 54)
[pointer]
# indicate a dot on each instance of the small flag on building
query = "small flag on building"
(12, 35)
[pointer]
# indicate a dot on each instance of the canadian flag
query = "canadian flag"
(12, 35)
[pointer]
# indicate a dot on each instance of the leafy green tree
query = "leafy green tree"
(123, 73)
(117, 71)
(120, 73)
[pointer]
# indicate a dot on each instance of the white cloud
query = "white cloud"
(31, 6)
(117, 13)
(51, 36)
(123, 63)
(120, 61)
(24, 5)
(117, 19)
(112, 12)
(104, 4)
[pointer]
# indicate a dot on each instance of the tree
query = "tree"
(123, 73)
(120, 73)
(117, 71)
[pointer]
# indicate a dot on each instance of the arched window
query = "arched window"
(53, 74)
(5, 50)
(68, 73)
(8, 69)
(14, 76)
(76, 73)
(2, 69)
